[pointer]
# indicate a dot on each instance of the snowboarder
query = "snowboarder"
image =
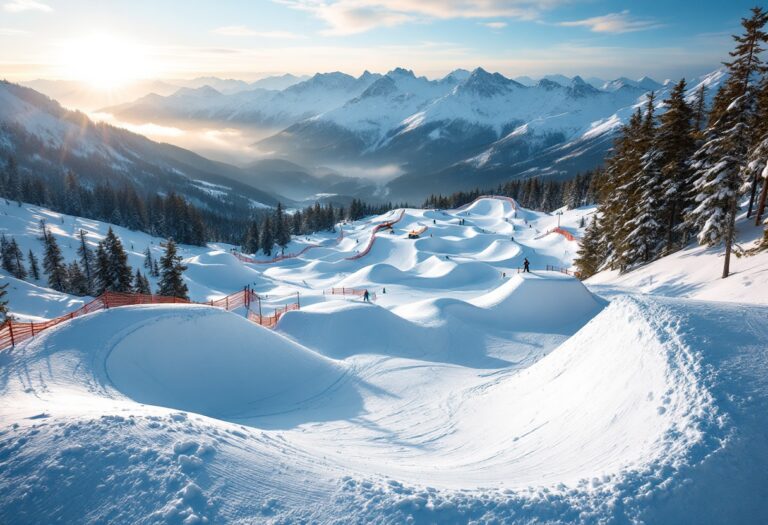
(434, 221)
(526, 265)
(366, 297)
(384, 290)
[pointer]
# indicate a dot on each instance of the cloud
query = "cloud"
(345, 17)
(17, 6)
(614, 23)
(246, 31)
(7, 31)
(495, 25)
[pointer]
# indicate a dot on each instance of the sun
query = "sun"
(104, 62)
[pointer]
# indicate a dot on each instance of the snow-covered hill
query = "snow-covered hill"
(466, 393)
(47, 140)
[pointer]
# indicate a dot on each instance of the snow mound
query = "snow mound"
(546, 302)
(221, 268)
(192, 358)
(217, 364)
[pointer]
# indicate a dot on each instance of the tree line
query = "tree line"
(93, 272)
(273, 230)
(533, 193)
(681, 175)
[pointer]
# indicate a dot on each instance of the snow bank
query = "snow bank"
(214, 363)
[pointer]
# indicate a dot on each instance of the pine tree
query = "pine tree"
(78, 284)
(251, 244)
(148, 259)
(675, 144)
(171, 279)
(34, 268)
(86, 262)
(282, 235)
(121, 275)
(642, 230)
(720, 163)
(18, 269)
(5, 254)
(53, 263)
(590, 256)
(267, 240)
(141, 284)
(103, 274)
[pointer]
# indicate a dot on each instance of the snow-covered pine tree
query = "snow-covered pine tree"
(53, 263)
(267, 239)
(5, 254)
(756, 171)
(642, 231)
(102, 274)
(78, 284)
(120, 272)
(590, 256)
(86, 262)
(618, 192)
(699, 109)
(171, 273)
(675, 144)
(34, 268)
(720, 163)
(148, 260)
(18, 269)
(141, 283)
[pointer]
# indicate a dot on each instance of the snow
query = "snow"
(467, 392)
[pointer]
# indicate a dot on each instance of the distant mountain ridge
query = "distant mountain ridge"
(466, 127)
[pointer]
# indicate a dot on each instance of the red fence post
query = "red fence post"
(10, 330)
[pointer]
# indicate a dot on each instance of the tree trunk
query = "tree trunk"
(752, 195)
(761, 203)
(729, 235)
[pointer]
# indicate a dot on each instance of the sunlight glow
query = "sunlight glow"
(104, 62)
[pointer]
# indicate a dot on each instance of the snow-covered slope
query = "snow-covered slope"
(47, 140)
(466, 393)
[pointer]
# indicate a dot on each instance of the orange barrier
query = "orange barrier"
(14, 332)
(278, 258)
(376, 229)
(357, 292)
(270, 321)
(565, 233)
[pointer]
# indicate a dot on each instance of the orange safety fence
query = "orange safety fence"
(278, 258)
(372, 240)
(270, 321)
(357, 292)
(13, 332)
(565, 233)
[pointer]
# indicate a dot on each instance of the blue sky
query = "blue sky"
(246, 39)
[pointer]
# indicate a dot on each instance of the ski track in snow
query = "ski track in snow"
(460, 396)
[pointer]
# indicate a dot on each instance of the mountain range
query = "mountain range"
(394, 136)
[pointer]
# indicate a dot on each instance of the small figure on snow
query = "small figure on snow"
(526, 265)
(366, 297)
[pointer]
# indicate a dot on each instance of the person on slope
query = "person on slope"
(366, 297)
(526, 266)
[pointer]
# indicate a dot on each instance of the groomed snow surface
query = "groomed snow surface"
(468, 393)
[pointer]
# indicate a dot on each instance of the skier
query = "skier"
(366, 297)
(526, 265)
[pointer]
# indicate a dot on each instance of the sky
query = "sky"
(110, 42)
